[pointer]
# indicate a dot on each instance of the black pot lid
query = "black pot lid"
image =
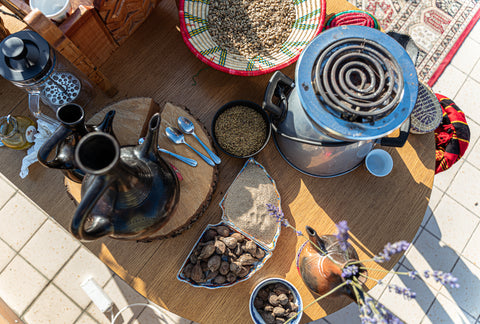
(24, 55)
(356, 83)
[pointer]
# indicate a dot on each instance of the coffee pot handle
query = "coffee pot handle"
(276, 87)
(52, 143)
(100, 225)
(401, 139)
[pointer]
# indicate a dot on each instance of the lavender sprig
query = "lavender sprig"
(342, 235)
(372, 311)
(391, 249)
(405, 292)
(280, 217)
(445, 278)
(349, 271)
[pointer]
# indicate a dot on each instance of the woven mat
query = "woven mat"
(438, 27)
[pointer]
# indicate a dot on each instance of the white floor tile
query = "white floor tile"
(474, 128)
(475, 33)
(20, 219)
(428, 213)
(410, 311)
(86, 319)
(467, 99)
(452, 223)
(52, 306)
(475, 73)
(50, 248)
(450, 81)
(349, 314)
(429, 254)
(465, 188)
(6, 191)
(81, 266)
(474, 154)
(468, 295)
(20, 283)
(443, 179)
(435, 198)
(472, 250)
(446, 311)
(466, 56)
(102, 318)
(6, 254)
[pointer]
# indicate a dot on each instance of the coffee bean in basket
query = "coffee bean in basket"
(221, 256)
(250, 28)
(241, 130)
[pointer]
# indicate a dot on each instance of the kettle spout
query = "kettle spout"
(106, 125)
(313, 237)
(149, 146)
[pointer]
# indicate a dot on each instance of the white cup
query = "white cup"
(54, 9)
(379, 162)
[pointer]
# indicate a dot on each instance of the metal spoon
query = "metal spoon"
(186, 160)
(177, 137)
(187, 127)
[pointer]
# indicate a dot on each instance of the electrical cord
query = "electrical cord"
(154, 307)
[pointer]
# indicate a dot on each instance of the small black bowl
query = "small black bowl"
(244, 103)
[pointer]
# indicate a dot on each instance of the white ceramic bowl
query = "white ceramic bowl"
(379, 162)
(257, 319)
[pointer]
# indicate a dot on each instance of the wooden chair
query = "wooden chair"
(90, 34)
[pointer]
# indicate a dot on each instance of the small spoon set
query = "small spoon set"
(176, 136)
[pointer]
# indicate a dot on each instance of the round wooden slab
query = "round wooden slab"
(198, 184)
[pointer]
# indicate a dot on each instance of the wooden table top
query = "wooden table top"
(155, 63)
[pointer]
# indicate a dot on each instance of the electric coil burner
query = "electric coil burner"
(359, 79)
(354, 85)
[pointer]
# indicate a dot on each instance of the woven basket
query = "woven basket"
(427, 113)
(310, 16)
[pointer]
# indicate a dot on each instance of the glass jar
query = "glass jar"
(17, 132)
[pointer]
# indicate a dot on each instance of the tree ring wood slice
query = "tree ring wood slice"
(198, 184)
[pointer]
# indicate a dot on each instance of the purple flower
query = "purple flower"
(406, 292)
(413, 274)
(445, 278)
(278, 214)
(342, 235)
(349, 271)
(391, 249)
(372, 311)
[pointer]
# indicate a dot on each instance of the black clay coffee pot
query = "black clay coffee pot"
(128, 192)
(63, 142)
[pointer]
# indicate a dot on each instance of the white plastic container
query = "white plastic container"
(56, 10)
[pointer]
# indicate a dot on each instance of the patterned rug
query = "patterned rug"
(438, 27)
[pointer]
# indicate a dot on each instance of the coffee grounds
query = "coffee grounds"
(246, 200)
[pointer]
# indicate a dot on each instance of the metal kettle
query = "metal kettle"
(30, 63)
(353, 86)
(128, 192)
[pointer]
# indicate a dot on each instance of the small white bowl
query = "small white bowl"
(257, 319)
(379, 162)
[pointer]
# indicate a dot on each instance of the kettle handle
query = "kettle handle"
(60, 134)
(101, 225)
(275, 87)
(401, 139)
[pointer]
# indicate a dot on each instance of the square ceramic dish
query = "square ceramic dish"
(239, 224)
